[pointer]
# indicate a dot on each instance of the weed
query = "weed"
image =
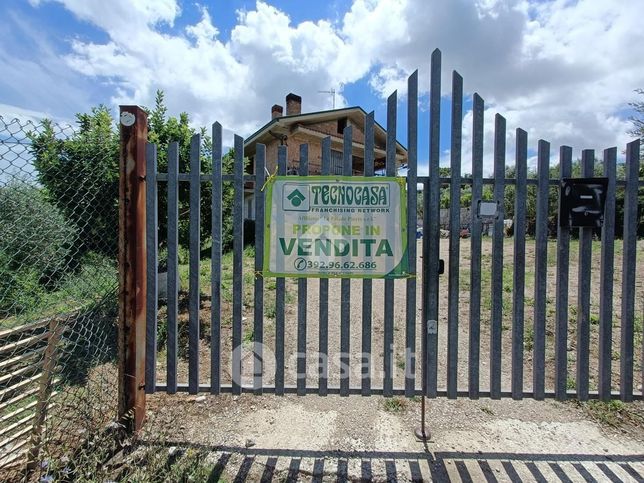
(395, 405)
(638, 324)
(571, 383)
(613, 413)
(487, 410)
(249, 335)
(528, 338)
(269, 309)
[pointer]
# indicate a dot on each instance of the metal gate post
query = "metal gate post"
(132, 267)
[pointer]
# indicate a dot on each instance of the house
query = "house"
(297, 128)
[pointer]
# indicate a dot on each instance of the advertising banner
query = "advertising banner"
(336, 226)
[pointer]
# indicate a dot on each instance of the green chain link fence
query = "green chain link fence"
(58, 290)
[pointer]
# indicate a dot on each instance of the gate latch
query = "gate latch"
(441, 266)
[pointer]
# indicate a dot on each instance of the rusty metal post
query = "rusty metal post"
(132, 267)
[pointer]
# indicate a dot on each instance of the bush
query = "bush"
(80, 176)
(35, 245)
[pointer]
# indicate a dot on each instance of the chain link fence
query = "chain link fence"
(58, 289)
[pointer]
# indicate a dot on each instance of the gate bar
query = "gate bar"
(397, 391)
(195, 251)
(583, 289)
(280, 291)
(367, 284)
(173, 266)
(563, 255)
(152, 248)
(390, 168)
(497, 258)
(518, 293)
(258, 314)
(345, 284)
(453, 305)
(475, 247)
(412, 154)
(541, 271)
(431, 240)
(324, 293)
(215, 261)
(207, 178)
(238, 264)
(606, 288)
(302, 298)
(629, 261)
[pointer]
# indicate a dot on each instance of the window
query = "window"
(342, 123)
(250, 208)
(336, 162)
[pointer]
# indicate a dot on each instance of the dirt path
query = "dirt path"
(355, 438)
(360, 438)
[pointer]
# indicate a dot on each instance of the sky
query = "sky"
(563, 70)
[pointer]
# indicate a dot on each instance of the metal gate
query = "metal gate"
(486, 339)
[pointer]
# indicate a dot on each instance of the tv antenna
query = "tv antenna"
(332, 92)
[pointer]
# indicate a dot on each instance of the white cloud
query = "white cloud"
(562, 70)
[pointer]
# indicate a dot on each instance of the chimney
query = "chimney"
(293, 104)
(277, 111)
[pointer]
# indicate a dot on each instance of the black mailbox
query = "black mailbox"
(582, 202)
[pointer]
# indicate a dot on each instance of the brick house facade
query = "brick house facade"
(296, 128)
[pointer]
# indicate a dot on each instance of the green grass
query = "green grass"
(96, 278)
(395, 404)
(400, 362)
(614, 413)
(528, 338)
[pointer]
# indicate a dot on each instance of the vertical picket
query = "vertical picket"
(431, 233)
(606, 277)
(541, 269)
(324, 296)
(238, 250)
(475, 246)
(412, 153)
(367, 284)
(390, 170)
(280, 292)
(302, 298)
(173, 265)
(258, 322)
(497, 258)
(215, 262)
(454, 235)
(152, 249)
(563, 260)
(583, 290)
(629, 262)
(345, 284)
(518, 292)
(195, 250)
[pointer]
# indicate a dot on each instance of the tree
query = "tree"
(638, 131)
(80, 175)
(35, 244)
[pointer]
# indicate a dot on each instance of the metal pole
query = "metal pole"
(421, 432)
(132, 267)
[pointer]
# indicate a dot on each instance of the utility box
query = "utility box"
(582, 202)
